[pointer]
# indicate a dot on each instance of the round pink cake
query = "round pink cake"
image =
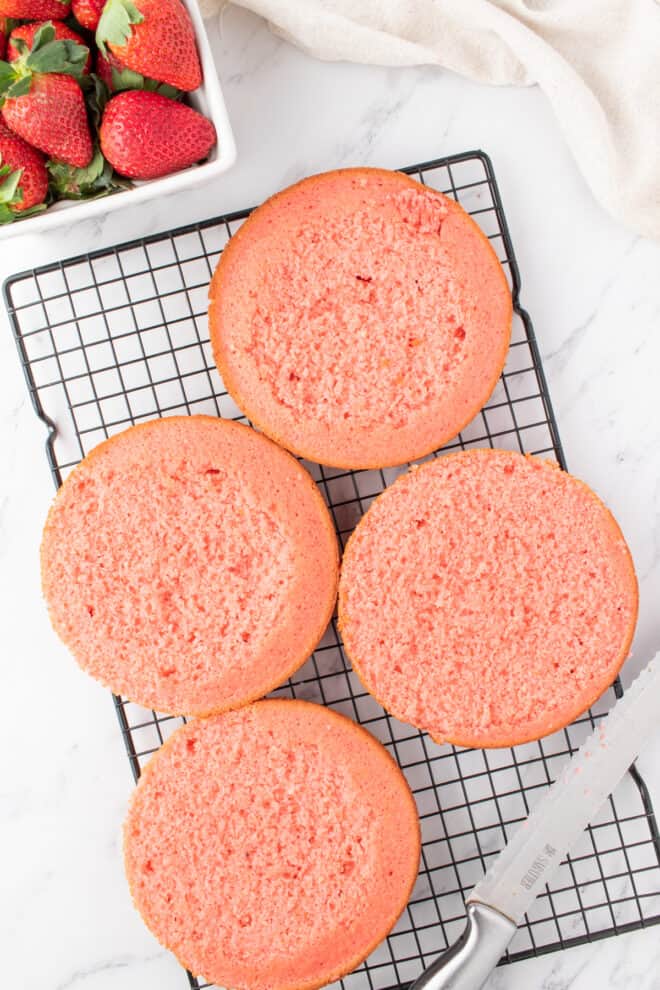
(189, 564)
(271, 848)
(359, 318)
(488, 598)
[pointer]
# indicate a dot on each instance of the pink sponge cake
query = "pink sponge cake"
(271, 848)
(359, 318)
(189, 564)
(488, 598)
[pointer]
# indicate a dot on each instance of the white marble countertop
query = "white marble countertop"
(593, 290)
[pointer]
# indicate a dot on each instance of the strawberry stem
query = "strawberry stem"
(20, 45)
(128, 79)
(94, 181)
(44, 36)
(116, 24)
(63, 56)
(9, 77)
(9, 192)
(46, 55)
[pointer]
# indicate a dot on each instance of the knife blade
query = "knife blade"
(498, 903)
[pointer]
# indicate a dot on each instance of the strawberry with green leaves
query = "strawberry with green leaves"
(87, 12)
(117, 78)
(23, 177)
(27, 32)
(145, 135)
(42, 100)
(36, 10)
(110, 69)
(97, 179)
(153, 37)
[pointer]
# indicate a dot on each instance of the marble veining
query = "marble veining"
(593, 291)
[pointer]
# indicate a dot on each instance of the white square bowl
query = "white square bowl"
(208, 99)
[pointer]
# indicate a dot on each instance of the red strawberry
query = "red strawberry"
(43, 103)
(23, 175)
(104, 66)
(53, 117)
(26, 33)
(3, 36)
(118, 78)
(36, 10)
(87, 12)
(112, 71)
(145, 135)
(153, 37)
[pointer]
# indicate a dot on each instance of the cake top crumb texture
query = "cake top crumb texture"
(487, 597)
(272, 847)
(360, 318)
(189, 564)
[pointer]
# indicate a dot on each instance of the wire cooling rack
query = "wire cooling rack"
(119, 336)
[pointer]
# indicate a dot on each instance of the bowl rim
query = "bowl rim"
(73, 211)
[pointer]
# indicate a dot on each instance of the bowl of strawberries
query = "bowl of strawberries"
(104, 103)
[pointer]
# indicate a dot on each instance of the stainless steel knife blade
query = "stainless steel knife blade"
(500, 900)
(532, 855)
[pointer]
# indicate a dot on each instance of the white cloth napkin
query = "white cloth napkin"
(597, 61)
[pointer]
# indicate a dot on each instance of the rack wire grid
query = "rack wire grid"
(119, 336)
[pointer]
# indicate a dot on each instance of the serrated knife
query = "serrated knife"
(500, 900)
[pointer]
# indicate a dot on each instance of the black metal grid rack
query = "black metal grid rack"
(119, 336)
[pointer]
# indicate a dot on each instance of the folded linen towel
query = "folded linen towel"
(597, 61)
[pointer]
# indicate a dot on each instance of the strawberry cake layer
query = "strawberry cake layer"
(189, 564)
(271, 848)
(360, 318)
(488, 598)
